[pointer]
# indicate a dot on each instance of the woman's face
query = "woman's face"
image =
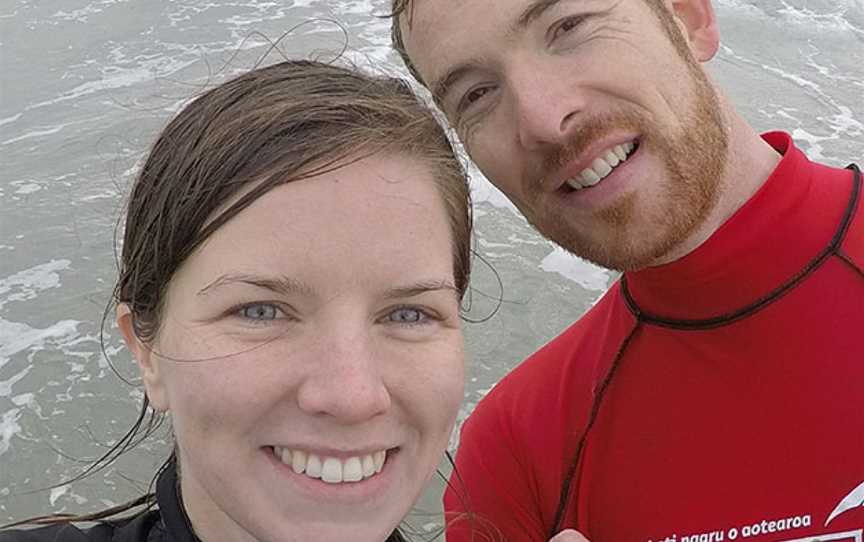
(313, 336)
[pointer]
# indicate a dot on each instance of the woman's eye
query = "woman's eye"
(407, 315)
(259, 312)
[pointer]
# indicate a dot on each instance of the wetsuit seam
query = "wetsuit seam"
(776, 294)
(848, 261)
(564, 498)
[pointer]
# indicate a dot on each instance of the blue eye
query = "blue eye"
(259, 312)
(407, 315)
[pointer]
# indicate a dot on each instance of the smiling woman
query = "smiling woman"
(295, 252)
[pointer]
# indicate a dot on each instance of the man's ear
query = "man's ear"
(700, 26)
(148, 364)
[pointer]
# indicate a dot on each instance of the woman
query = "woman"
(295, 251)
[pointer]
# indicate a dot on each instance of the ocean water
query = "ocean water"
(85, 85)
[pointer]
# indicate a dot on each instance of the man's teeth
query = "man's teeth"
(331, 469)
(601, 167)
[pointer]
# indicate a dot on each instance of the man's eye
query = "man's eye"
(407, 315)
(565, 26)
(259, 312)
(472, 96)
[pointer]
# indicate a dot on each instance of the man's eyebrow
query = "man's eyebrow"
(279, 285)
(442, 86)
(419, 288)
(534, 10)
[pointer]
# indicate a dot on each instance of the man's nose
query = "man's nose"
(345, 382)
(547, 103)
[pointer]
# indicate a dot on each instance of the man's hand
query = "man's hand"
(568, 535)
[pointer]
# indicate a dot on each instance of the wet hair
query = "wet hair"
(268, 127)
(234, 143)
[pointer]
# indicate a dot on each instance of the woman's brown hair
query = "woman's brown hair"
(273, 125)
(270, 126)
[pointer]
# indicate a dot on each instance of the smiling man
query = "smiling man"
(716, 388)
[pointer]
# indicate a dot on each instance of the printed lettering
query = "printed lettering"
(765, 526)
(716, 536)
(745, 531)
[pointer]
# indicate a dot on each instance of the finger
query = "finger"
(568, 535)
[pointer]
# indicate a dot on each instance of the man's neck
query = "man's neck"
(750, 161)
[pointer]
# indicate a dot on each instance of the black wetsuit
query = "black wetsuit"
(167, 524)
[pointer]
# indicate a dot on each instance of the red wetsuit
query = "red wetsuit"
(719, 397)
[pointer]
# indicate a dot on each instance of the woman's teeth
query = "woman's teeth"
(602, 167)
(331, 469)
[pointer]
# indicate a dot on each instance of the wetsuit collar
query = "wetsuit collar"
(765, 243)
(174, 517)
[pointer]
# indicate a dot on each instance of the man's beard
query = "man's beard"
(694, 161)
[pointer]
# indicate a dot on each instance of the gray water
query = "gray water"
(85, 85)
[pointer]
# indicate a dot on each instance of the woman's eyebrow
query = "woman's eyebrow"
(280, 285)
(419, 288)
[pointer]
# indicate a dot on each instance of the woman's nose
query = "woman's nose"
(345, 381)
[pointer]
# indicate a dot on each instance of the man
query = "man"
(716, 391)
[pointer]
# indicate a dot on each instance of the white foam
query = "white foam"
(27, 188)
(833, 22)
(114, 77)
(16, 337)
(24, 399)
(583, 273)
(107, 194)
(57, 492)
(737, 5)
(9, 428)
(814, 148)
(844, 122)
(25, 284)
(6, 385)
(80, 15)
(34, 134)
(7, 120)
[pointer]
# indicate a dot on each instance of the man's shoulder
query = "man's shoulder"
(562, 375)
(516, 446)
(842, 189)
(852, 244)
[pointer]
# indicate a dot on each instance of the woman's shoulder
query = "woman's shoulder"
(145, 527)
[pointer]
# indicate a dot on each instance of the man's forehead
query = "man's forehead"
(440, 33)
(433, 31)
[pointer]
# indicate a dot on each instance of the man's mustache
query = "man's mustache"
(581, 137)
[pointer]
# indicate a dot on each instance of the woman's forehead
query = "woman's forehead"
(381, 215)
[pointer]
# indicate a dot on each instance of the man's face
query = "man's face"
(592, 116)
